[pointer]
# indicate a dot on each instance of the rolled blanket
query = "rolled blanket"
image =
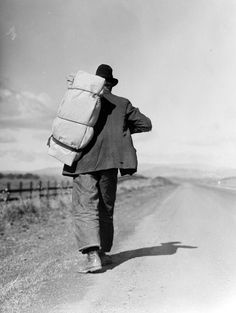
(78, 112)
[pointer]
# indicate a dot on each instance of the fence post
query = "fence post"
(48, 188)
(40, 189)
(20, 188)
(8, 191)
(62, 187)
(31, 189)
(55, 184)
(8, 186)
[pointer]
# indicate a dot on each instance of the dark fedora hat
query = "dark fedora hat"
(105, 71)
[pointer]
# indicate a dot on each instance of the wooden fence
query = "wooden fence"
(41, 189)
(44, 189)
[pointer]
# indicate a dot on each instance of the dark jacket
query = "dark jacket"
(112, 146)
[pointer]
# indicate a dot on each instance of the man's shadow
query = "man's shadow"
(167, 248)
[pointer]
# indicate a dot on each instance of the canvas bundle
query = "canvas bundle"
(78, 112)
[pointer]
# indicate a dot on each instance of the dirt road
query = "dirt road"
(174, 252)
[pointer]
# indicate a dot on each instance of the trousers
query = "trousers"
(93, 200)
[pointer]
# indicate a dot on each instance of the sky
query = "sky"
(175, 61)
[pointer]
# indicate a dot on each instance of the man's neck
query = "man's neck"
(106, 90)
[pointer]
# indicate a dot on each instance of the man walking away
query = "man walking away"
(95, 173)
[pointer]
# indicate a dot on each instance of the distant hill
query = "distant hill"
(187, 171)
(146, 166)
(49, 171)
(18, 176)
(166, 171)
(151, 170)
(228, 182)
(57, 171)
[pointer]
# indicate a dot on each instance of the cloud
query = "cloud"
(7, 138)
(12, 33)
(18, 155)
(41, 135)
(25, 109)
(27, 152)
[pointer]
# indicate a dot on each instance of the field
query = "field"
(35, 236)
(164, 228)
(42, 186)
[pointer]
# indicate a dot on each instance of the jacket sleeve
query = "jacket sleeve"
(136, 121)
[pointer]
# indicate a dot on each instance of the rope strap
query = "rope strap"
(62, 144)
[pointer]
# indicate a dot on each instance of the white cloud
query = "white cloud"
(28, 152)
(12, 33)
(25, 110)
(4, 93)
(20, 160)
(7, 138)
(17, 155)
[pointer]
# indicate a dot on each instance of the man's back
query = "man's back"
(112, 146)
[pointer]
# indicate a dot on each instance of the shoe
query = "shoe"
(93, 263)
(105, 258)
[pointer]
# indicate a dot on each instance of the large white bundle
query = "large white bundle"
(78, 112)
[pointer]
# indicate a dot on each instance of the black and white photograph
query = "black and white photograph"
(118, 156)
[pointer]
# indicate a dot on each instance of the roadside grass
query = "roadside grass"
(37, 244)
(24, 212)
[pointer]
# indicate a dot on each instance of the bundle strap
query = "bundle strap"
(93, 93)
(62, 144)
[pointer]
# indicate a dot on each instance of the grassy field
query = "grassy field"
(29, 211)
(42, 182)
(36, 243)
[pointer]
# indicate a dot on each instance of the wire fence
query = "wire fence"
(28, 190)
(39, 189)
